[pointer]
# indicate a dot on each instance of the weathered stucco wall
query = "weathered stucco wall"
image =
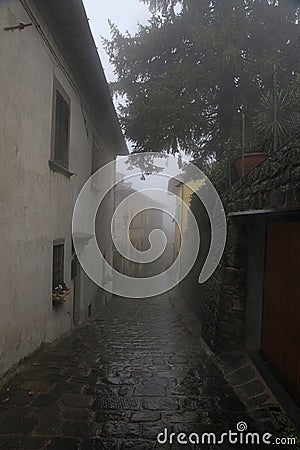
(36, 203)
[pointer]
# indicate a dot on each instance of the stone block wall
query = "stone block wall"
(273, 185)
(224, 295)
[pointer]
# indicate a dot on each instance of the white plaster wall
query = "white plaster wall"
(35, 203)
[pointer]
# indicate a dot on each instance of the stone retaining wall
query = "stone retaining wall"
(273, 185)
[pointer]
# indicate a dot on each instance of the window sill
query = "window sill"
(56, 167)
(59, 299)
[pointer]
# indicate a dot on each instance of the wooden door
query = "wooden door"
(281, 310)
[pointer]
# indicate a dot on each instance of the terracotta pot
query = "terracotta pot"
(251, 161)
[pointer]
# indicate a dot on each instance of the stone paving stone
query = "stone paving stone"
(178, 360)
(47, 421)
(241, 376)
(77, 414)
(126, 390)
(137, 445)
(259, 399)
(82, 429)
(106, 416)
(37, 385)
(34, 442)
(46, 400)
(145, 416)
(19, 397)
(119, 381)
(62, 443)
(141, 373)
(76, 400)
(121, 429)
(161, 403)
(9, 442)
(183, 417)
(185, 391)
(16, 420)
(252, 388)
(118, 403)
(103, 390)
(150, 390)
(100, 444)
(153, 429)
(233, 362)
(70, 387)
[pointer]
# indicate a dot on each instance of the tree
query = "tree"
(286, 122)
(188, 72)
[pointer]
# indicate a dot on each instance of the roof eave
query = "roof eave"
(68, 24)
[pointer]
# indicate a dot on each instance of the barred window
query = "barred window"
(58, 265)
(61, 130)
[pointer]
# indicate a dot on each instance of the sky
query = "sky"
(124, 13)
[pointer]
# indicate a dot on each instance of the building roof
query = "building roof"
(123, 190)
(68, 23)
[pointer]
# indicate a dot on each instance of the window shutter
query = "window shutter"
(95, 164)
(62, 127)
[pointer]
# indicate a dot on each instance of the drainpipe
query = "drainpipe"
(275, 109)
(243, 143)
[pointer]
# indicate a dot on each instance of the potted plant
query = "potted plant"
(250, 157)
(60, 294)
(250, 160)
(275, 119)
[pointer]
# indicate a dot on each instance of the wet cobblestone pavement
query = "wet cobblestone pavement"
(118, 381)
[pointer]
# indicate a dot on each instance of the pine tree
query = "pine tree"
(188, 73)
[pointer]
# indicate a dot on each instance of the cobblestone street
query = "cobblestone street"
(118, 381)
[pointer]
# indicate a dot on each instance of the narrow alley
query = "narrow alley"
(118, 381)
(150, 224)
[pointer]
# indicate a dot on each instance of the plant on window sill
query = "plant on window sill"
(60, 294)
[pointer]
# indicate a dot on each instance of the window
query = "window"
(58, 264)
(95, 164)
(61, 130)
(60, 142)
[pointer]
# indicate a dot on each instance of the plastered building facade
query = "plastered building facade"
(58, 125)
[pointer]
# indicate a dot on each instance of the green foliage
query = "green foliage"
(186, 75)
(288, 117)
(218, 175)
(161, 5)
(288, 429)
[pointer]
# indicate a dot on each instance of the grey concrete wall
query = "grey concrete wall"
(36, 203)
